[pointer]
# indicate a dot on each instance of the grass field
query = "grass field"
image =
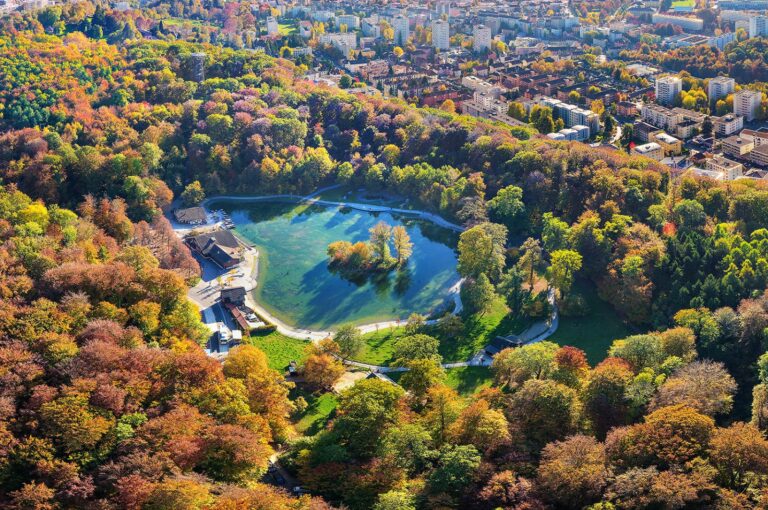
(478, 331)
(287, 28)
(594, 332)
(468, 380)
(280, 350)
(316, 415)
(465, 380)
(379, 346)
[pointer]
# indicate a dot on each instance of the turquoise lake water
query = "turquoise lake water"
(297, 286)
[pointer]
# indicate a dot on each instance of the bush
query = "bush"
(574, 305)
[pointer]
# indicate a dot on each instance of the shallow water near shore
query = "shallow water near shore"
(296, 285)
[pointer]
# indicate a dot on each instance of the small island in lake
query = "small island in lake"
(374, 255)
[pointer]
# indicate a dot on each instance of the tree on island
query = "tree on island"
(403, 244)
(375, 255)
(381, 234)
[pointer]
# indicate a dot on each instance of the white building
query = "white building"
(273, 28)
(668, 88)
(342, 42)
(371, 28)
(441, 35)
(688, 24)
(650, 150)
(352, 22)
(758, 26)
(747, 103)
(720, 87)
(402, 28)
(482, 86)
(727, 124)
(731, 170)
(482, 36)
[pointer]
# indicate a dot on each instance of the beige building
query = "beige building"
(737, 146)
(731, 170)
(650, 150)
(669, 144)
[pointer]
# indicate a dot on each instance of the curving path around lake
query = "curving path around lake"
(479, 359)
(313, 335)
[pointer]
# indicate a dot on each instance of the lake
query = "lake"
(297, 286)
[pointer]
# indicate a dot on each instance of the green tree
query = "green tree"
(395, 500)
(415, 347)
(565, 264)
(381, 233)
(193, 194)
(455, 469)
(422, 375)
(478, 295)
(517, 111)
(350, 341)
(481, 250)
(541, 119)
(507, 207)
(365, 412)
(403, 244)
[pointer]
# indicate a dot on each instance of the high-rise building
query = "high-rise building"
(273, 28)
(196, 65)
(351, 21)
(668, 88)
(443, 9)
(441, 34)
(402, 28)
(719, 87)
(758, 26)
(482, 38)
(747, 103)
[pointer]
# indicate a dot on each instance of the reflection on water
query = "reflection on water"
(297, 285)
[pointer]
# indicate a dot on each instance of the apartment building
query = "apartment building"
(650, 150)
(736, 146)
(731, 170)
(402, 27)
(482, 38)
(670, 145)
(660, 117)
(758, 26)
(441, 35)
(688, 24)
(719, 87)
(727, 124)
(747, 103)
(273, 28)
(668, 88)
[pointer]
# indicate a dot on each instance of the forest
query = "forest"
(108, 401)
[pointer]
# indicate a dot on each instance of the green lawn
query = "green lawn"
(480, 330)
(465, 380)
(287, 28)
(280, 350)
(379, 346)
(594, 332)
(317, 413)
(468, 380)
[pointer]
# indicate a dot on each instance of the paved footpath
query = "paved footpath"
(537, 335)
(314, 335)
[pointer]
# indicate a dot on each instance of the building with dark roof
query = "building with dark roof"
(191, 215)
(235, 295)
(220, 246)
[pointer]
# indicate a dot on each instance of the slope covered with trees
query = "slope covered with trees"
(108, 401)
